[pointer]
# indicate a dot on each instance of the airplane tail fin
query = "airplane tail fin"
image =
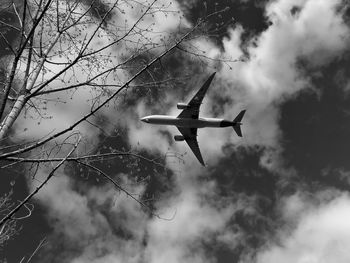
(237, 123)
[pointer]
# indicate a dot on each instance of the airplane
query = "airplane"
(188, 121)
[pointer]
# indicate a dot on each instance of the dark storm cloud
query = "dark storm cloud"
(249, 14)
(232, 209)
(239, 176)
(281, 59)
(30, 230)
(316, 127)
(98, 9)
(309, 59)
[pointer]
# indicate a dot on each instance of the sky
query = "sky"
(279, 194)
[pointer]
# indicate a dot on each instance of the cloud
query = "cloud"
(172, 241)
(269, 76)
(97, 225)
(57, 111)
(93, 223)
(321, 232)
(272, 73)
(280, 62)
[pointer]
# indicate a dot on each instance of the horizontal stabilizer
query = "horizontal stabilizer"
(237, 123)
(238, 130)
(239, 116)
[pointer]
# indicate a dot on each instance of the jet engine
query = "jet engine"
(182, 106)
(179, 138)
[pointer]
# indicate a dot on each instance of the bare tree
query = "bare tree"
(63, 47)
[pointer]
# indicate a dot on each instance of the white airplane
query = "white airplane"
(188, 120)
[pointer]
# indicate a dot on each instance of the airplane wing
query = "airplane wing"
(196, 101)
(190, 135)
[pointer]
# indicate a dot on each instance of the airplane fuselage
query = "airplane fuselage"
(187, 122)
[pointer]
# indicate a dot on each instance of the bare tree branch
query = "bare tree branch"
(37, 189)
(58, 51)
(21, 48)
(126, 84)
(94, 157)
(119, 187)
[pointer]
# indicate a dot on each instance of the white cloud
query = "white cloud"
(271, 74)
(101, 225)
(66, 205)
(260, 84)
(99, 230)
(87, 221)
(321, 234)
(269, 77)
(196, 221)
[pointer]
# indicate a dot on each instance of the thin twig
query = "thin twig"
(97, 157)
(92, 112)
(99, 171)
(41, 244)
(21, 204)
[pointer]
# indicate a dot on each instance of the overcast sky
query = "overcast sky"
(279, 194)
